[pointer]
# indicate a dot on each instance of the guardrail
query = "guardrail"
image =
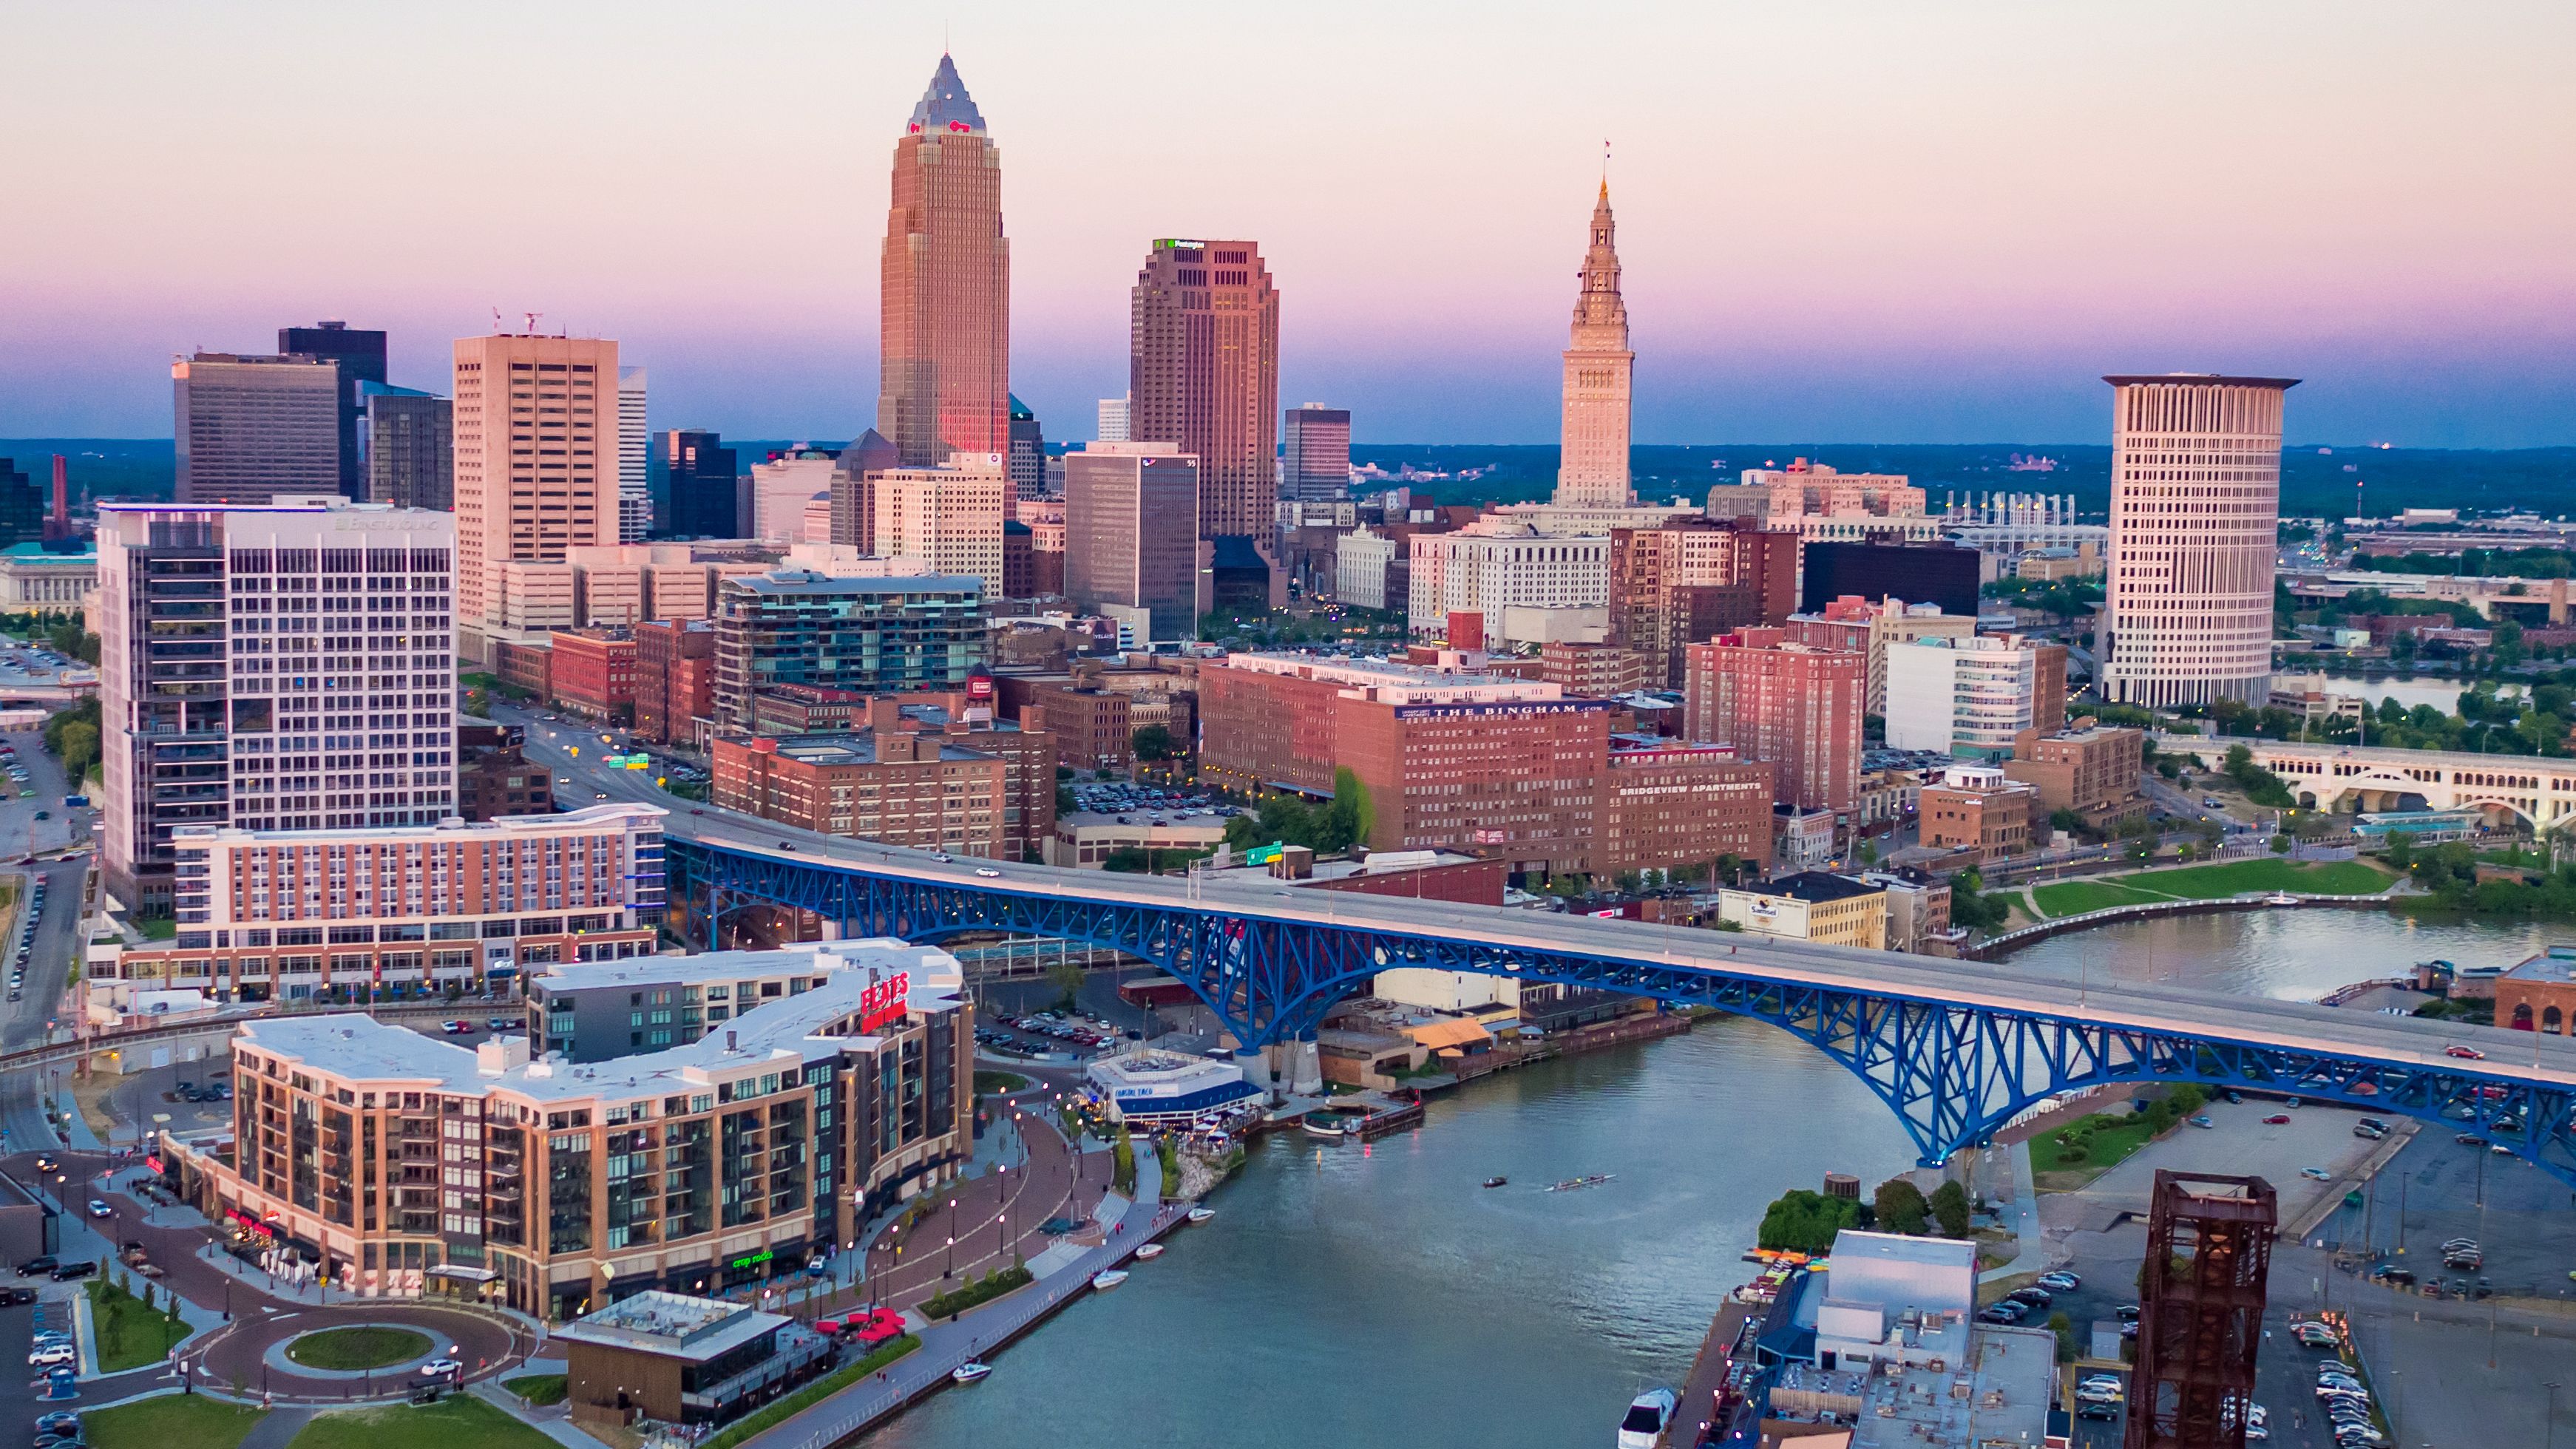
(1987, 949)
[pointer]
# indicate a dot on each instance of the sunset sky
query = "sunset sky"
(1910, 221)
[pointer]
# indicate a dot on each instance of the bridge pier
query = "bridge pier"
(1305, 1065)
(1254, 1062)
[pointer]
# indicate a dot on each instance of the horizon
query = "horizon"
(1877, 224)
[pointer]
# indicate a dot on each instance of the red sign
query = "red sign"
(154, 1162)
(979, 686)
(884, 1000)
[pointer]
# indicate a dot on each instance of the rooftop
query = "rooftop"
(945, 106)
(853, 749)
(928, 964)
(1394, 682)
(452, 828)
(793, 583)
(1816, 886)
(2557, 966)
(37, 553)
(673, 1324)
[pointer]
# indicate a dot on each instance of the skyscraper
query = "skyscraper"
(22, 508)
(250, 428)
(1203, 372)
(634, 459)
(2195, 514)
(410, 436)
(535, 463)
(1593, 463)
(1028, 453)
(1113, 420)
(361, 356)
(1315, 466)
(237, 717)
(705, 489)
(946, 292)
(1131, 537)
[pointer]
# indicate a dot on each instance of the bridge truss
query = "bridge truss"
(1951, 1072)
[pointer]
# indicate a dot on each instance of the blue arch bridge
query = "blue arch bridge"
(1955, 1049)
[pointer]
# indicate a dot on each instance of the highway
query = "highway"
(58, 940)
(2207, 1015)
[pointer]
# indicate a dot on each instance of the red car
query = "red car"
(2466, 1054)
(2277, 1119)
(870, 1329)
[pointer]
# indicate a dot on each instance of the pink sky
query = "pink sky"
(1862, 222)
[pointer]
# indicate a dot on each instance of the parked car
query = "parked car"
(2060, 1282)
(2277, 1119)
(34, 1266)
(77, 1268)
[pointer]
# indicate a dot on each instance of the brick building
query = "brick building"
(1665, 804)
(1794, 706)
(675, 676)
(593, 673)
(2091, 769)
(897, 787)
(1693, 579)
(1976, 808)
(807, 709)
(2539, 994)
(1094, 727)
(495, 779)
(1598, 671)
(1862, 626)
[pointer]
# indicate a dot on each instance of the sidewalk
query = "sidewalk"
(2030, 1249)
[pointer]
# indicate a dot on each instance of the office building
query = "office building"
(407, 910)
(1828, 910)
(2092, 769)
(880, 635)
(408, 442)
(1858, 625)
(1491, 567)
(704, 491)
(250, 428)
(782, 490)
(896, 787)
(947, 518)
(1823, 505)
(1692, 580)
(675, 677)
(1978, 808)
(1971, 698)
(593, 673)
(360, 356)
(1599, 373)
(1203, 372)
(1315, 464)
(1131, 534)
(853, 489)
(405, 1166)
(22, 508)
(1112, 427)
(945, 287)
(1028, 453)
(1793, 706)
(276, 667)
(535, 462)
(584, 1011)
(634, 457)
(1928, 573)
(2195, 516)
(1371, 570)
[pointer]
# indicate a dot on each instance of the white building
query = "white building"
(1362, 560)
(1513, 565)
(1153, 1088)
(1113, 420)
(950, 516)
(634, 455)
(1968, 696)
(1826, 506)
(782, 496)
(2195, 514)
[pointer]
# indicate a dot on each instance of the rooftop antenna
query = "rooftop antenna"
(497, 324)
(532, 322)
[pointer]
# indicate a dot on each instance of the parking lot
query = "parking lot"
(1146, 802)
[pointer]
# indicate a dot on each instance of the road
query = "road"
(2207, 1015)
(58, 941)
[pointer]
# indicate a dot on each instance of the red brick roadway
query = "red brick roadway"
(236, 1352)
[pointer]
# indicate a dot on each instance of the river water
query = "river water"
(2440, 691)
(1349, 1295)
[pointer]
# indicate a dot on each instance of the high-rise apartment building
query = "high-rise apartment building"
(360, 355)
(1970, 697)
(949, 516)
(1028, 453)
(1790, 705)
(2195, 518)
(282, 666)
(1131, 533)
(703, 490)
(536, 462)
(249, 428)
(634, 457)
(1592, 467)
(1315, 464)
(408, 442)
(1203, 372)
(1113, 420)
(879, 635)
(1870, 626)
(946, 285)
(1693, 579)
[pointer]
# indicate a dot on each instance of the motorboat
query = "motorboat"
(1323, 1126)
(968, 1373)
(1202, 1214)
(1573, 1183)
(1149, 1252)
(1108, 1278)
(1647, 1415)
(1496, 1181)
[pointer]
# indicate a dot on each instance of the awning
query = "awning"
(470, 1275)
(1437, 1034)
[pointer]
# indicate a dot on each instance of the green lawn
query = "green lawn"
(537, 1388)
(191, 1420)
(992, 1083)
(454, 1420)
(2213, 882)
(799, 1401)
(363, 1347)
(129, 1334)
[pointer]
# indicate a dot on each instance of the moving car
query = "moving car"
(2465, 1053)
(2317, 1174)
(2277, 1119)
(987, 872)
(98, 1208)
(439, 1367)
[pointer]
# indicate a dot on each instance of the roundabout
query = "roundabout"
(363, 1351)
(357, 1348)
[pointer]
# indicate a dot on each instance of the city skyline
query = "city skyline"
(1889, 264)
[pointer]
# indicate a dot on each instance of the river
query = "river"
(1349, 1295)
(2440, 691)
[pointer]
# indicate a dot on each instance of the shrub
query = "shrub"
(1800, 1221)
(1901, 1208)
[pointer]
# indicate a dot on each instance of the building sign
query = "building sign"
(753, 1260)
(884, 1000)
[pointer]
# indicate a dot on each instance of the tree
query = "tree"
(1799, 1221)
(1066, 977)
(2280, 845)
(80, 750)
(1901, 1207)
(1154, 743)
(2401, 850)
(1949, 1205)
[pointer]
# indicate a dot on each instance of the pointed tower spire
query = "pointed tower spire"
(1592, 468)
(945, 279)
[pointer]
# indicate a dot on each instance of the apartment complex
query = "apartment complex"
(281, 666)
(250, 428)
(1131, 536)
(404, 910)
(899, 788)
(796, 715)
(1979, 808)
(1693, 579)
(1973, 697)
(1598, 671)
(1599, 376)
(675, 677)
(2195, 517)
(1665, 803)
(944, 291)
(2092, 769)
(796, 626)
(1794, 706)
(406, 1166)
(535, 463)
(1203, 373)
(1856, 624)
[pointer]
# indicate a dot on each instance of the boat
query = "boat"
(967, 1373)
(1108, 1278)
(1201, 1214)
(1322, 1127)
(1496, 1181)
(1571, 1183)
(1647, 1415)
(1149, 1252)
